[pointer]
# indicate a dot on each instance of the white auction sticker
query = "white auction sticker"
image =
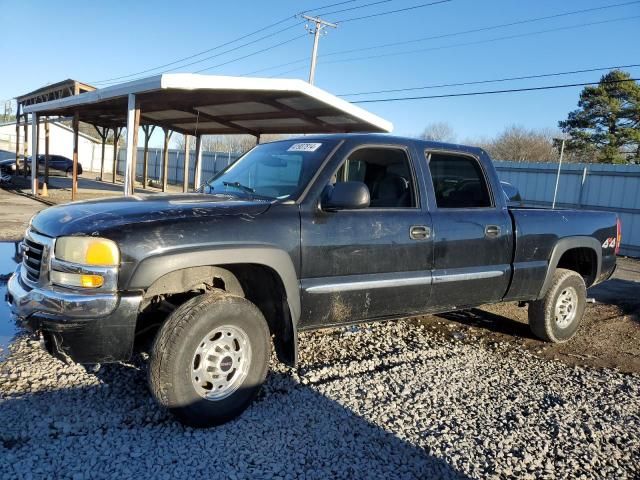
(304, 147)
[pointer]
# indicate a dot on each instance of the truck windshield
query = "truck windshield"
(278, 170)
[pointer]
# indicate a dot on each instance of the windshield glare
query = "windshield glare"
(278, 170)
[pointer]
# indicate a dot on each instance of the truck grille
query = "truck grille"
(32, 259)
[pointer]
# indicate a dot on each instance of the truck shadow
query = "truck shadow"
(114, 426)
(625, 294)
(476, 317)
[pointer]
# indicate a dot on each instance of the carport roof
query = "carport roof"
(206, 104)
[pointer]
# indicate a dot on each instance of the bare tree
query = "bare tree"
(439, 132)
(517, 143)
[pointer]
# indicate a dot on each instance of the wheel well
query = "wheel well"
(582, 260)
(264, 288)
(257, 283)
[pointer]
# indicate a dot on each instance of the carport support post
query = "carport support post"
(133, 122)
(198, 170)
(17, 135)
(165, 159)
(25, 145)
(185, 174)
(74, 177)
(34, 154)
(148, 130)
(46, 150)
(103, 137)
(116, 137)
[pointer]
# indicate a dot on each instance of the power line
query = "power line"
(326, 6)
(354, 8)
(389, 12)
(366, 5)
(239, 46)
(180, 60)
(271, 47)
(479, 42)
(478, 82)
(446, 35)
(493, 92)
(242, 37)
(484, 29)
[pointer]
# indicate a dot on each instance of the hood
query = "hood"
(96, 216)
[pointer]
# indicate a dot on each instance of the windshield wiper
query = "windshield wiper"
(240, 186)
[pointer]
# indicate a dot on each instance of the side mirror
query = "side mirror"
(512, 193)
(346, 196)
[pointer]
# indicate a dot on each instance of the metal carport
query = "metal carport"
(203, 105)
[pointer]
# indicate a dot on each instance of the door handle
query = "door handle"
(419, 232)
(492, 231)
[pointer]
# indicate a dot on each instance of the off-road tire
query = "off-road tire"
(171, 359)
(542, 313)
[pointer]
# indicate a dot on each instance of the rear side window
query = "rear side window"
(458, 181)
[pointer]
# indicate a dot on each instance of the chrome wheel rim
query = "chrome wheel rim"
(221, 362)
(566, 307)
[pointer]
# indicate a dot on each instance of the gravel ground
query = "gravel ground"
(395, 400)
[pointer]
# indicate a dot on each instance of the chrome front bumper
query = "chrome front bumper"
(55, 302)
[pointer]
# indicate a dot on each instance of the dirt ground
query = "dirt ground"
(89, 187)
(608, 337)
(16, 211)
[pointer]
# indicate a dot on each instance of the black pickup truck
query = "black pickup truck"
(297, 234)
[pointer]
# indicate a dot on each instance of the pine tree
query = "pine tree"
(607, 120)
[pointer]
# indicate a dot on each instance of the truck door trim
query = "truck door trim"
(460, 274)
(351, 283)
(364, 282)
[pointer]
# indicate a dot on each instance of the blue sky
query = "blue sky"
(92, 41)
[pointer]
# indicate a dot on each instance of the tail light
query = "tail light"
(618, 235)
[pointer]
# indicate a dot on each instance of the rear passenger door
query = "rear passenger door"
(472, 232)
(367, 263)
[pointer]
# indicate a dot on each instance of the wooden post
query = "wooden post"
(46, 149)
(185, 180)
(165, 158)
(148, 131)
(34, 154)
(25, 145)
(17, 136)
(198, 170)
(116, 137)
(74, 179)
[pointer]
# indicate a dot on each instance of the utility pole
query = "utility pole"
(320, 25)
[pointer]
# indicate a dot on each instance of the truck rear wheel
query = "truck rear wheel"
(557, 316)
(210, 358)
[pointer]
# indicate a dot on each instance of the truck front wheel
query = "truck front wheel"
(557, 316)
(210, 358)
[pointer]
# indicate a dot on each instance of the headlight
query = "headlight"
(92, 251)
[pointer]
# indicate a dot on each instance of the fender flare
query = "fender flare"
(152, 268)
(562, 246)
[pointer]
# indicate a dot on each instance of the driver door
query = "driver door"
(367, 263)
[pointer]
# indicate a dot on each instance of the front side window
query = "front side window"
(458, 181)
(278, 170)
(387, 174)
